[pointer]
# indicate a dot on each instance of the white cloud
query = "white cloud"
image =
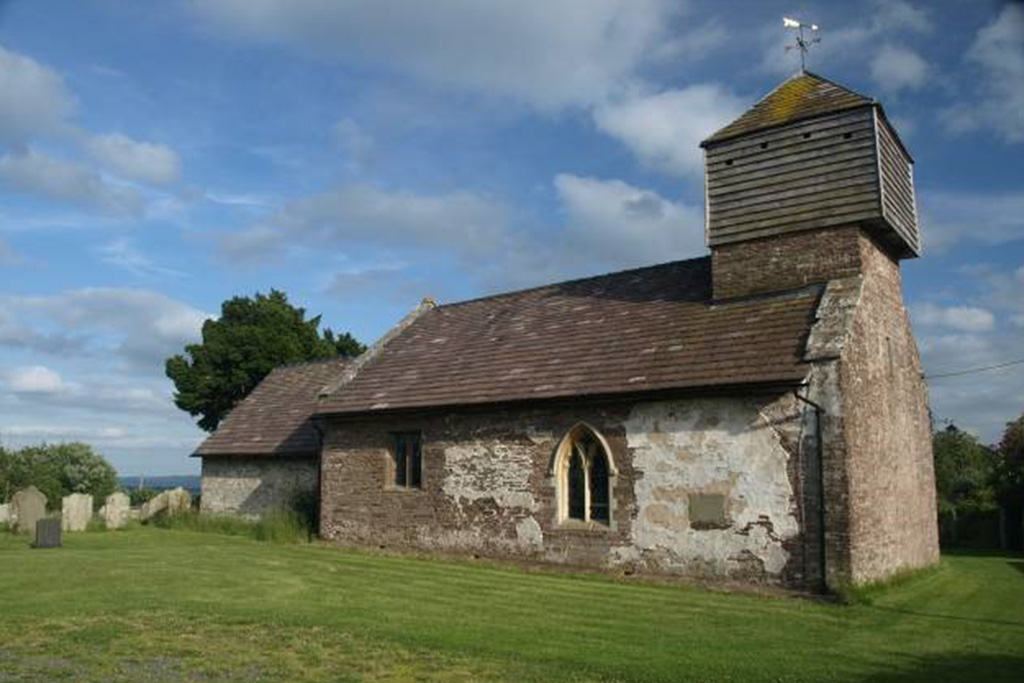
(664, 130)
(140, 327)
(34, 379)
(67, 181)
(998, 101)
(543, 53)
(948, 218)
(124, 254)
(897, 68)
(353, 140)
(145, 162)
(33, 98)
(964, 318)
(625, 225)
(8, 256)
(467, 223)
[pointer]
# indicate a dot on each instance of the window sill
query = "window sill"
(587, 527)
(404, 489)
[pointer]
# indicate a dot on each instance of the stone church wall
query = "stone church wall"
(887, 430)
(252, 486)
(710, 487)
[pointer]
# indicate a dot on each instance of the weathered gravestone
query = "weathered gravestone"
(115, 510)
(28, 506)
(172, 502)
(76, 511)
(5, 514)
(47, 534)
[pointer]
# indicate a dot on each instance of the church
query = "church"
(758, 414)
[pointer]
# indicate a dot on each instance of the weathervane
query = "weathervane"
(802, 43)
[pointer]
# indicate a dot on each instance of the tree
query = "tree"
(963, 478)
(1009, 474)
(59, 470)
(252, 337)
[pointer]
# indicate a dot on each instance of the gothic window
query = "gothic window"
(408, 460)
(584, 470)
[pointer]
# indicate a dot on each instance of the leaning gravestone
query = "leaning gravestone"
(47, 534)
(28, 506)
(76, 511)
(115, 510)
(5, 514)
(172, 502)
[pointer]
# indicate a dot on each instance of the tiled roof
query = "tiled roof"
(274, 418)
(639, 330)
(803, 96)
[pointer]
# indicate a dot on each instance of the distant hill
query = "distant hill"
(190, 482)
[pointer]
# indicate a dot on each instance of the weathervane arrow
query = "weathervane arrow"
(803, 43)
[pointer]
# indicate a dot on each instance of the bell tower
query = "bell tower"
(794, 183)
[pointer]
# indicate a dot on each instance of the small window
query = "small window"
(806, 135)
(408, 456)
(847, 136)
(764, 145)
(728, 162)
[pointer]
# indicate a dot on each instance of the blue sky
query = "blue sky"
(157, 158)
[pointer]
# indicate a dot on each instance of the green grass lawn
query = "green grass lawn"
(160, 605)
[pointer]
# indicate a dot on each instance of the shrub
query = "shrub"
(139, 496)
(57, 470)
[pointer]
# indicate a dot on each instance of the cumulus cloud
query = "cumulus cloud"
(33, 98)
(140, 327)
(897, 68)
(965, 318)
(623, 225)
(34, 379)
(145, 162)
(998, 101)
(664, 130)
(467, 223)
(544, 54)
(56, 179)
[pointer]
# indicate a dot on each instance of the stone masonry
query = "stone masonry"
(252, 486)
(704, 487)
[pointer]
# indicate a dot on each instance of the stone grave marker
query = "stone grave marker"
(115, 510)
(5, 514)
(47, 533)
(173, 502)
(76, 511)
(28, 506)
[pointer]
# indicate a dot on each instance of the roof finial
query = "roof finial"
(803, 44)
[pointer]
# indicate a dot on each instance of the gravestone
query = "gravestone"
(5, 514)
(47, 534)
(28, 506)
(76, 511)
(172, 502)
(115, 510)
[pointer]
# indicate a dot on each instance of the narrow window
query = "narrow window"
(577, 487)
(408, 460)
(599, 486)
(584, 469)
(847, 136)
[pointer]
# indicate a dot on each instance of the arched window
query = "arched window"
(583, 469)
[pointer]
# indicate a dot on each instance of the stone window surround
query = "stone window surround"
(558, 473)
(391, 464)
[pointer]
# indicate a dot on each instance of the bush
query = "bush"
(138, 497)
(57, 470)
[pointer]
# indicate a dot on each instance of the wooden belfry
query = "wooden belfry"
(811, 154)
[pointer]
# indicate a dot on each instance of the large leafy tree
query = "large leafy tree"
(57, 470)
(963, 476)
(251, 338)
(1009, 475)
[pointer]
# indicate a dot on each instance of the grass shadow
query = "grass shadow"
(966, 667)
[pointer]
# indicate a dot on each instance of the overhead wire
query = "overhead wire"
(970, 371)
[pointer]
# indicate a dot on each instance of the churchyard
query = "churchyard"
(152, 604)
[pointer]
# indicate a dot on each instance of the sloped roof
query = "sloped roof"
(274, 419)
(639, 330)
(803, 96)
